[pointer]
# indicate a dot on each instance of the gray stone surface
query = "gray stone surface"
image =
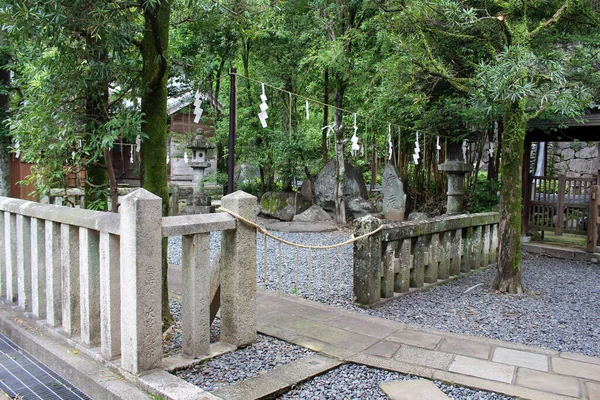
(593, 390)
(238, 273)
(465, 347)
(141, 341)
(383, 349)
(53, 274)
(482, 369)
(313, 214)
(354, 185)
(38, 268)
(521, 358)
(308, 190)
(424, 357)
(367, 261)
(394, 198)
(416, 338)
(110, 295)
(89, 286)
(24, 262)
(10, 254)
(69, 256)
(417, 216)
(576, 368)
(548, 382)
(360, 207)
(411, 390)
(283, 205)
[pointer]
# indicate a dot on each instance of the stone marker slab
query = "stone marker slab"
(413, 389)
(548, 382)
(428, 358)
(576, 368)
(521, 359)
(383, 349)
(482, 369)
(464, 347)
(394, 198)
(580, 357)
(416, 338)
(593, 390)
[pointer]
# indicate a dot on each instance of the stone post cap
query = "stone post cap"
(455, 166)
(140, 194)
(239, 195)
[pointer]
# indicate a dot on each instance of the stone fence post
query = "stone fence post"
(238, 273)
(141, 264)
(367, 262)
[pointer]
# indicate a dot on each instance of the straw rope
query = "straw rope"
(302, 246)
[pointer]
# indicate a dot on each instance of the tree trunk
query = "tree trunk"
(508, 277)
(340, 206)
(154, 48)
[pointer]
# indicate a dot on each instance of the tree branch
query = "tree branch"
(552, 20)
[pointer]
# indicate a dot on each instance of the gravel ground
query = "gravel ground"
(352, 381)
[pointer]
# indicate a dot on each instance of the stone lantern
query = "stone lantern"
(198, 202)
(456, 169)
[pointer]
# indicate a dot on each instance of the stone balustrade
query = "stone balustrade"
(411, 254)
(97, 277)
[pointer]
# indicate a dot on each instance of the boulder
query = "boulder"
(308, 190)
(354, 186)
(394, 198)
(313, 214)
(360, 207)
(283, 205)
(417, 216)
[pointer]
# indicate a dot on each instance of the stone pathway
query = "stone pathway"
(508, 368)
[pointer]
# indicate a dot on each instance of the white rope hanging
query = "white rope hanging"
(329, 130)
(464, 150)
(307, 110)
(438, 148)
(185, 157)
(138, 143)
(262, 115)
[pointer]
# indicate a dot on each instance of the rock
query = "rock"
(283, 205)
(417, 216)
(587, 152)
(360, 207)
(594, 260)
(313, 214)
(308, 190)
(394, 198)
(567, 154)
(354, 185)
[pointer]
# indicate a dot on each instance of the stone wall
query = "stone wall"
(575, 159)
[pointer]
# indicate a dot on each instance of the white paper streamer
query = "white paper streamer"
(329, 130)
(17, 151)
(307, 110)
(389, 141)
(185, 157)
(262, 115)
(354, 140)
(416, 156)
(464, 150)
(138, 144)
(168, 159)
(197, 107)
(131, 159)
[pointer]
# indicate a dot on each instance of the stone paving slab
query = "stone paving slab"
(576, 368)
(580, 357)
(416, 338)
(278, 379)
(482, 369)
(383, 349)
(411, 390)
(463, 347)
(550, 383)
(427, 358)
(593, 390)
(521, 359)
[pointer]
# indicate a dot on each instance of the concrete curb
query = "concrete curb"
(566, 253)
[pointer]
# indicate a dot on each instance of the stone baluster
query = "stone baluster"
(477, 246)
(405, 262)
(53, 274)
(494, 244)
(141, 283)
(38, 268)
(431, 269)
(89, 286)
(467, 254)
(367, 262)
(456, 251)
(10, 255)
(24, 262)
(3, 239)
(110, 295)
(486, 245)
(238, 273)
(444, 255)
(417, 274)
(388, 272)
(195, 307)
(69, 250)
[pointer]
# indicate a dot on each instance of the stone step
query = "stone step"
(279, 379)
(411, 390)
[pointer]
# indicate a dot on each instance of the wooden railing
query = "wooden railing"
(559, 204)
(97, 277)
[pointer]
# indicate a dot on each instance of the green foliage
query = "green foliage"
(482, 196)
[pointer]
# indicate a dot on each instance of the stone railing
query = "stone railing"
(96, 277)
(406, 255)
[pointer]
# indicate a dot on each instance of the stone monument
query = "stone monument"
(394, 198)
(198, 202)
